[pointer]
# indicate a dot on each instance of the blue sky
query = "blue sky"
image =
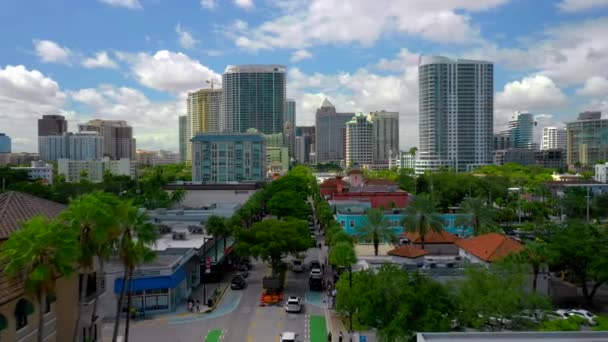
(137, 59)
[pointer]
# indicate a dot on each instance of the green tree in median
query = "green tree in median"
(41, 252)
(478, 215)
(288, 204)
(376, 229)
(272, 240)
(421, 217)
(217, 227)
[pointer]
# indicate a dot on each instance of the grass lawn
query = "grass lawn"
(213, 336)
(318, 329)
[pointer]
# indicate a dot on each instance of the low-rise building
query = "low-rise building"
(522, 156)
(38, 170)
(403, 160)
(601, 171)
(487, 248)
(551, 158)
(21, 158)
(442, 243)
(93, 170)
(277, 160)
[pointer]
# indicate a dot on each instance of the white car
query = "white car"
(297, 265)
(293, 304)
(584, 314)
(316, 273)
(288, 336)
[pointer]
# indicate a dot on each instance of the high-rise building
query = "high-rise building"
(203, 109)
(521, 127)
(551, 158)
(52, 125)
(289, 127)
(385, 136)
(117, 135)
(456, 108)
(503, 140)
(183, 138)
(553, 138)
(359, 141)
(228, 157)
(330, 134)
(587, 139)
(53, 147)
(5, 143)
(254, 96)
(306, 149)
(84, 145)
(403, 160)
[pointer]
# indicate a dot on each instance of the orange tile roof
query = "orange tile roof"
(408, 251)
(332, 183)
(432, 237)
(490, 247)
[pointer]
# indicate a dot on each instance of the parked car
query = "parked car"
(288, 336)
(589, 317)
(315, 264)
(238, 283)
(293, 304)
(297, 265)
(316, 273)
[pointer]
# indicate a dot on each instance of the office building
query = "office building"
(53, 147)
(203, 109)
(330, 134)
(502, 140)
(522, 156)
(183, 138)
(359, 141)
(93, 170)
(52, 125)
(403, 160)
(38, 170)
(22, 158)
(289, 127)
(228, 157)
(254, 96)
(551, 159)
(587, 139)
(5, 143)
(456, 108)
(306, 145)
(521, 126)
(553, 137)
(73, 146)
(385, 136)
(153, 158)
(117, 136)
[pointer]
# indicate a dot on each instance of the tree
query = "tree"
(272, 240)
(581, 249)
(376, 228)
(476, 214)
(41, 252)
(421, 217)
(135, 235)
(534, 254)
(217, 227)
(288, 204)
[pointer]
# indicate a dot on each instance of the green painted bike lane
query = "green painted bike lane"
(318, 329)
(213, 336)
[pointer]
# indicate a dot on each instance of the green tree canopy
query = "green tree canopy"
(421, 217)
(342, 254)
(289, 204)
(376, 229)
(478, 215)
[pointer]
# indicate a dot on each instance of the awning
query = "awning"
(152, 283)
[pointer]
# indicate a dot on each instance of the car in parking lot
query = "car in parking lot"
(297, 265)
(293, 304)
(589, 317)
(238, 283)
(288, 336)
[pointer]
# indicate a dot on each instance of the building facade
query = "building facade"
(117, 136)
(503, 140)
(553, 138)
(521, 126)
(277, 160)
(93, 170)
(228, 157)
(456, 108)
(203, 108)
(38, 170)
(52, 125)
(53, 147)
(5, 143)
(359, 141)
(330, 133)
(289, 127)
(73, 146)
(385, 136)
(22, 158)
(587, 139)
(183, 138)
(551, 158)
(254, 97)
(522, 156)
(403, 160)
(305, 146)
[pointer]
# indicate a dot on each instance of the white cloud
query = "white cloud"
(24, 96)
(594, 86)
(246, 4)
(300, 55)
(51, 52)
(186, 40)
(307, 23)
(131, 4)
(101, 60)
(169, 71)
(404, 59)
(580, 5)
(208, 4)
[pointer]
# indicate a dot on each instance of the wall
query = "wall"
(350, 222)
(204, 198)
(386, 200)
(29, 332)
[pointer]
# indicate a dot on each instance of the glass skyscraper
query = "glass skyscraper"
(289, 127)
(521, 126)
(254, 97)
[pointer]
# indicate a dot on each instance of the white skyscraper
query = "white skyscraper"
(385, 136)
(456, 109)
(553, 138)
(359, 138)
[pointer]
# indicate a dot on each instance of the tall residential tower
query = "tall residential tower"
(521, 128)
(289, 126)
(385, 136)
(553, 138)
(183, 137)
(329, 135)
(203, 112)
(117, 137)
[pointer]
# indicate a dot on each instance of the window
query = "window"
(22, 310)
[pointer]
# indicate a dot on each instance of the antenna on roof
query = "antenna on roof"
(212, 82)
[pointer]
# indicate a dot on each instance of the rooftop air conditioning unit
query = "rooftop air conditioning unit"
(164, 229)
(179, 236)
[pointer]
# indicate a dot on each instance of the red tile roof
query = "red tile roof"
(490, 247)
(17, 207)
(379, 181)
(432, 237)
(332, 183)
(408, 251)
(351, 172)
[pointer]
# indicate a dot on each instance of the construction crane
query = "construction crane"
(212, 82)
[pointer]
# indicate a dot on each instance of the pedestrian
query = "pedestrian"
(190, 305)
(329, 336)
(340, 337)
(319, 245)
(198, 306)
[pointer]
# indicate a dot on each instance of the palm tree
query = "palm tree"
(421, 217)
(477, 214)
(41, 252)
(377, 228)
(534, 254)
(92, 219)
(135, 235)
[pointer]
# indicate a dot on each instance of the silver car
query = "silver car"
(293, 304)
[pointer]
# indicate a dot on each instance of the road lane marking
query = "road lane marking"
(249, 338)
(253, 324)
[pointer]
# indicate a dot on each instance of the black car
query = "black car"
(238, 283)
